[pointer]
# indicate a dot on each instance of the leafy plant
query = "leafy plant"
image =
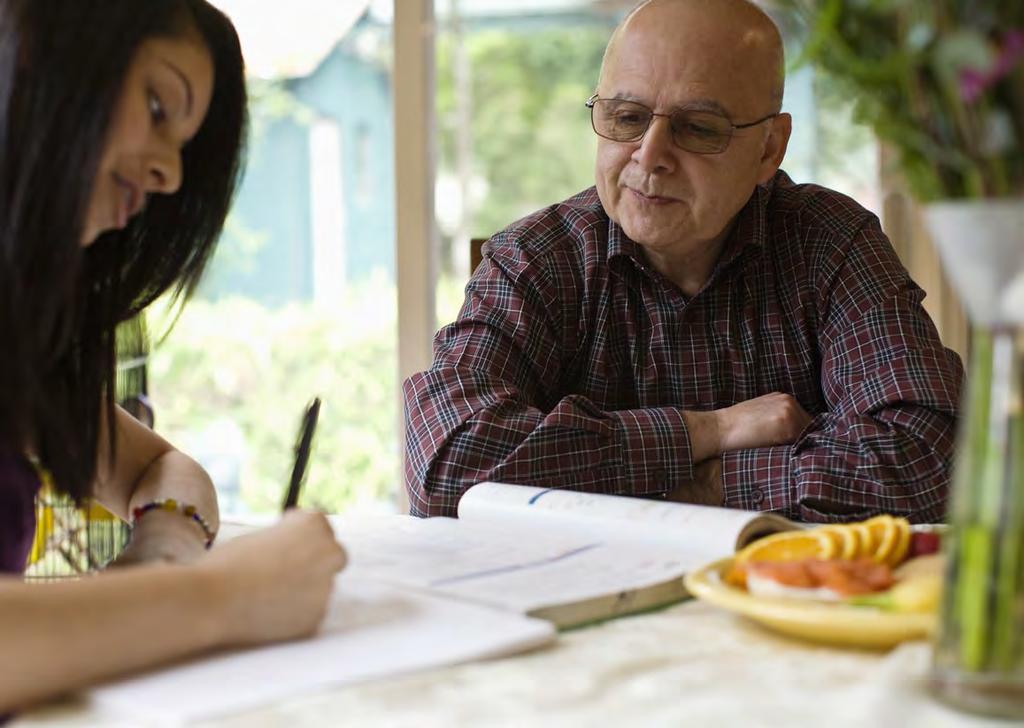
(940, 80)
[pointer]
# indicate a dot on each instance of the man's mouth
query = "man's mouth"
(652, 199)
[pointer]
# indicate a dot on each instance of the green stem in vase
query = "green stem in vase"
(1007, 647)
(1009, 587)
(972, 595)
(972, 547)
(988, 515)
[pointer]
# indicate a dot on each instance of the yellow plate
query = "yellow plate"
(837, 624)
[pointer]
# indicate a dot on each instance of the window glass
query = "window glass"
(514, 134)
(300, 300)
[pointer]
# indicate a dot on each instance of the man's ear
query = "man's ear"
(775, 147)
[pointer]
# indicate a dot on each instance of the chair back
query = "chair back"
(476, 253)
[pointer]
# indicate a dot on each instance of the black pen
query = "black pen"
(302, 448)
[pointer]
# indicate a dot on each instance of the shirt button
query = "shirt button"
(757, 496)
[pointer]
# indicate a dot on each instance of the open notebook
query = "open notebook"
(372, 630)
(422, 593)
(563, 556)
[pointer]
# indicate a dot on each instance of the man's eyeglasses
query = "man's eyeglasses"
(701, 132)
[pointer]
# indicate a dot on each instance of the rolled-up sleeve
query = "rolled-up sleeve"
(886, 442)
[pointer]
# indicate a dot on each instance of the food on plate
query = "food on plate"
(792, 546)
(828, 579)
(877, 563)
(883, 539)
(923, 543)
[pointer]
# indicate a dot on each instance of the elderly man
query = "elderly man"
(697, 326)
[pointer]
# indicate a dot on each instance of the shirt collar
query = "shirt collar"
(750, 230)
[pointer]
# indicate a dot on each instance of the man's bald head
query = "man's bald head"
(738, 29)
(686, 65)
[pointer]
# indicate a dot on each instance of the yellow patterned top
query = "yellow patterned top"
(60, 524)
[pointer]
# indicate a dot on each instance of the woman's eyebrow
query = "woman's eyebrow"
(184, 80)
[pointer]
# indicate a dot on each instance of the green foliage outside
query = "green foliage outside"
(532, 141)
(257, 366)
(236, 359)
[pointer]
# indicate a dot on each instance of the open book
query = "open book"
(372, 630)
(564, 556)
(421, 593)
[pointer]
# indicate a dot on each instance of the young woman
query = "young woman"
(121, 132)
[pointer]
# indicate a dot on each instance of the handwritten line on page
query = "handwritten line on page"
(566, 556)
(527, 565)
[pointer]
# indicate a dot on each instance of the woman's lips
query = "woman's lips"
(129, 201)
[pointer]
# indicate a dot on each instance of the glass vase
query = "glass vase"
(979, 650)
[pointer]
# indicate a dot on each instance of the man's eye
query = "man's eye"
(629, 118)
(156, 107)
(700, 130)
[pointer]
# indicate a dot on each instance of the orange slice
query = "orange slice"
(866, 544)
(902, 546)
(885, 534)
(849, 542)
(792, 546)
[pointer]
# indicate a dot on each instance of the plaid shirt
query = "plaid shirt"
(572, 359)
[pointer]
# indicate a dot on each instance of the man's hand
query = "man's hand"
(772, 419)
(706, 487)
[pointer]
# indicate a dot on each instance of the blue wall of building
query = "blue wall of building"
(266, 252)
(357, 95)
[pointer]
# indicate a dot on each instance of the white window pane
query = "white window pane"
(300, 299)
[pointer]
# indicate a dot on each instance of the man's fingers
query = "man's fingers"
(772, 419)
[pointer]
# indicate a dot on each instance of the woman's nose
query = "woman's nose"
(163, 173)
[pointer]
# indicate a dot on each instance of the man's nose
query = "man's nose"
(655, 152)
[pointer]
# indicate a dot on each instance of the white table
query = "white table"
(689, 665)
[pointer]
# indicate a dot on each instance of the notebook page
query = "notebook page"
(518, 565)
(372, 630)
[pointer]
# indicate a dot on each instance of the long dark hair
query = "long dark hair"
(62, 67)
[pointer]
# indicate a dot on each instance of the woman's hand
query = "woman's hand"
(274, 584)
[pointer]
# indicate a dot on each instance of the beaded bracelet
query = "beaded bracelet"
(171, 505)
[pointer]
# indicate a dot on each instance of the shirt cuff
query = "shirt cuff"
(655, 446)
(759, 479)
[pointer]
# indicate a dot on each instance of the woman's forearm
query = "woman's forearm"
(149, 468)
(61, 636)
(176, 475)
(265, 586)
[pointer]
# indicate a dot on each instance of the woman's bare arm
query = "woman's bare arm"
(148, 468)
(267, 586)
